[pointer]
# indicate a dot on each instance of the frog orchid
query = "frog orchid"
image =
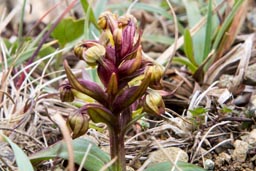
(129, 82)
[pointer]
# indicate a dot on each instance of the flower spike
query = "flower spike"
(127, 77)
(157, 72)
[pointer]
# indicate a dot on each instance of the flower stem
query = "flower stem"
(117, 149)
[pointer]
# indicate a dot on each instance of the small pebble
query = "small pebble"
(209, 165)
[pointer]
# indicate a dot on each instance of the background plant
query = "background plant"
(206, 46)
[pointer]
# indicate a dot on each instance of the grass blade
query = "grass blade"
(193, 12)
(226, 23)
(208, 35)
(158, 39)
(188, 47)
(194, 15)
(141, 6)
(186, 62)
(87, 10)
(229, 37)
(21, 21)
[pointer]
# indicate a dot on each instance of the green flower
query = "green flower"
(78, 123)
(91, 52)
(153, 103)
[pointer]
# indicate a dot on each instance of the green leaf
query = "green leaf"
(185, 61)
(146, 7)
(25, 55)
(166, 166)
(68, 30)
(86, 7)
(22, 21)
(226, 110)
(208, 34)
(95, 159)
(193, 12)
(141, 6)
(21, 158)
(198, 111)
(188, 47)
(194, 15)
(46, 50)
(158, 39)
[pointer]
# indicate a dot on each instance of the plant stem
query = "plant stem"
(117, 149)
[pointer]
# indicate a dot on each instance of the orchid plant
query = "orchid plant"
(129, 83)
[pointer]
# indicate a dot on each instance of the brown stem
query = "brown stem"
(117, 149)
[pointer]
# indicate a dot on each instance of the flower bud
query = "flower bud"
(112, 84)
(128, 35)
(106, 38)
(153, 103)
(156, 76)
(107, 20)
(78, 51)
(90, 52)
(66, 94)
(102, 21)
(117, 36)
(123, 21)
(78, 123)
(94, 54)
(129, 66)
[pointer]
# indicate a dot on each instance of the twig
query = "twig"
(238, 119)
(106, 166)
(66, 135)
(204, 137)
(5, 163)
(219, 144)
(146, 148)
(8, 95)
(85, 156)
